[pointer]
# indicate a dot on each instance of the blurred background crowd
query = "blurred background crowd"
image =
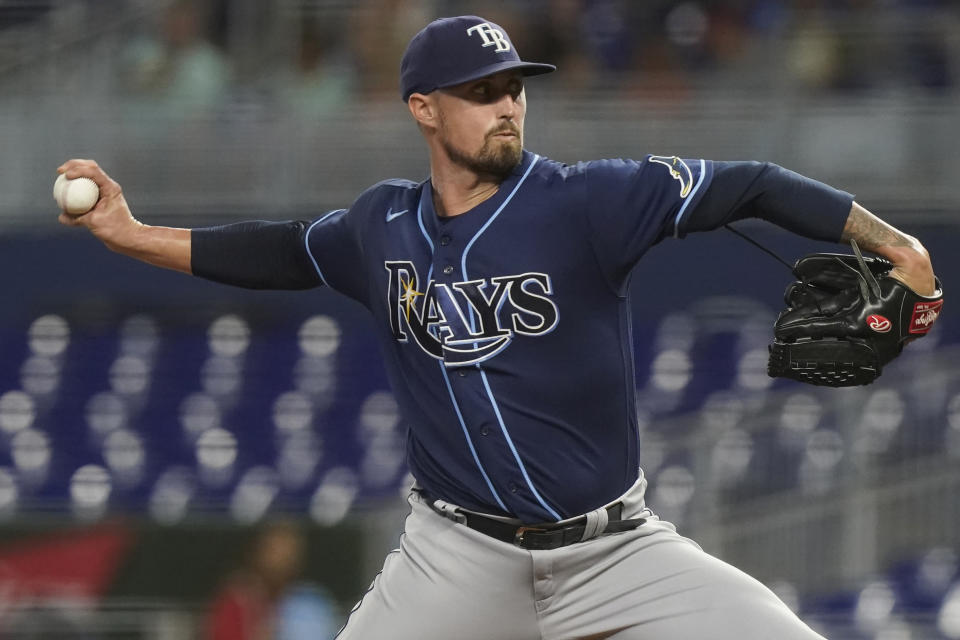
(319, 55)
(184, 460)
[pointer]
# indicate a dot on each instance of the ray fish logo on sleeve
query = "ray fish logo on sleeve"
(471, 321)
(678, 171)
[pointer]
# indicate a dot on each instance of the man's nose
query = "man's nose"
(507, 106)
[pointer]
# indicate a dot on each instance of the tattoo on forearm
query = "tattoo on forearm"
(871, 232)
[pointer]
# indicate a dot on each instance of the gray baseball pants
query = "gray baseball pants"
(449, 582)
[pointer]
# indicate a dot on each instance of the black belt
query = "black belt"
(537, 537)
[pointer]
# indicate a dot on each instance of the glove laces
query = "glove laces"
(869, 286)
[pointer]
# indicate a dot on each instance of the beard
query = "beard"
(496, 157)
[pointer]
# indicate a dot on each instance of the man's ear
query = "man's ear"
(423, 108)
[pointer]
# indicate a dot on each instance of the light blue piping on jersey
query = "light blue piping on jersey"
(446, 379)
(483, 374)
(466, 250)
(513, 449)
(423, 230)
(306, 243)
(676, 221)
(466, 434)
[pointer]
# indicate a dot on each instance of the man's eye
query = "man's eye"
(481, 89)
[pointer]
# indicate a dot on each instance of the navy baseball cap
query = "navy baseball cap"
(450, 51)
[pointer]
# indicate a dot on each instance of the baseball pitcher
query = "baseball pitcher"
(499, 286)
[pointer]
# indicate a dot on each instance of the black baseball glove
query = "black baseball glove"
(845, 319)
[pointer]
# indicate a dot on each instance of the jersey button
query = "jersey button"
(462, 373)
(484, 431)
(514, 488)
(448, 270)
(444, 240)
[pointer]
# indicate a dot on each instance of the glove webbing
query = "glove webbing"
(776, 256)
(868, 282)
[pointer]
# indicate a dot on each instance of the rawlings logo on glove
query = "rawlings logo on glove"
(879, 323)
(845, 319)
(924, 314)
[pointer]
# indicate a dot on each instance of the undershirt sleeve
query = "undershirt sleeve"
(254, 255)
(764, 190)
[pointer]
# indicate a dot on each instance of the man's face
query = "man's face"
(481, 123)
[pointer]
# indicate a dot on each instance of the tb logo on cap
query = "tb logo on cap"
(490, 36)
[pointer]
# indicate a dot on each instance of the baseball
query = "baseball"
(75, 197)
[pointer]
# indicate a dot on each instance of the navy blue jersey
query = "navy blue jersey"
(506, 329)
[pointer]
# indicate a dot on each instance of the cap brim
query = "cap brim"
(528, 69)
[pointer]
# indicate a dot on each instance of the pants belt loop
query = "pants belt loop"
(596, 522)
(449, 511)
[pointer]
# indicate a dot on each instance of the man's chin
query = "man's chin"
(510, 144)
(507, 157)
(498, 157)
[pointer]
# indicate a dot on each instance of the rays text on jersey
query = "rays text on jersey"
(471, 321)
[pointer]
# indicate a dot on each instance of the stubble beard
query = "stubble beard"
(496, 157)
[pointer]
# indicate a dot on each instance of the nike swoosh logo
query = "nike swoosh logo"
(391, 216)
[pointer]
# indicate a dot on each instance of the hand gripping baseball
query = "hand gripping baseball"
(110, 219)
(845, 319)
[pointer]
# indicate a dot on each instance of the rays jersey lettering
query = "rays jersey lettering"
(470, 321)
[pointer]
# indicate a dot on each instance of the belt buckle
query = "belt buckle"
(521, 531)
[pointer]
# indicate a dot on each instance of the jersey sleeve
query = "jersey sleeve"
(334, 249)
(632, 205)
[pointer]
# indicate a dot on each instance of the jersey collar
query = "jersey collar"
(479, 214)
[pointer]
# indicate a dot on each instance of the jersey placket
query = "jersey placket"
(465, 381)
(469, 385)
